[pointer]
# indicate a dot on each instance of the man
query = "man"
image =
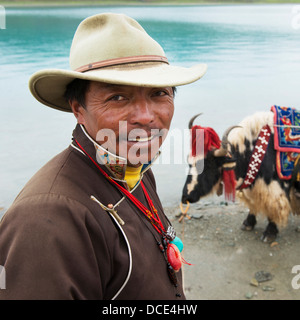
(89, 224)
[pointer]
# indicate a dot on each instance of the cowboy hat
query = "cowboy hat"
(111, 48)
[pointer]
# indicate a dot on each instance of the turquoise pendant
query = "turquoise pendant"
(178, 243)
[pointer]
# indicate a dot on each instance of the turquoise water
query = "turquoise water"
(253, 57)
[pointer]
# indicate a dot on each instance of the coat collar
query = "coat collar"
(114, 165)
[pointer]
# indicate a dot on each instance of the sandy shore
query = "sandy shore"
(225, 259)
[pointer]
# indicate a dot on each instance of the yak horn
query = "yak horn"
(222, 152)
(192, 120)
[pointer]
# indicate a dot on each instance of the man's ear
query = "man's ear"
(78, 111)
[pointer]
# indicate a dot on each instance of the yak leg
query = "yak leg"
(297, 189)
(249, 222)
(270, 232)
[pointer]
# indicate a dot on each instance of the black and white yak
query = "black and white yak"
(267, 194)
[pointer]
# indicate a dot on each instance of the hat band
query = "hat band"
(124, 60)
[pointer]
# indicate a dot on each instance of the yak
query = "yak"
(263, 193)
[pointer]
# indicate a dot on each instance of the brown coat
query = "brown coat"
(57, 243)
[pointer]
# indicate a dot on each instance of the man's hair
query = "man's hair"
(77, 89)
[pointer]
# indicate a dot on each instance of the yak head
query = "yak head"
(208, 159)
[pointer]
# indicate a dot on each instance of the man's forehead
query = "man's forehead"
(105, 85)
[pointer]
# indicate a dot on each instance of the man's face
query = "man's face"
(129, 121)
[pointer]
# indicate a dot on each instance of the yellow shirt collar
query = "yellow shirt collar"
(132, 176)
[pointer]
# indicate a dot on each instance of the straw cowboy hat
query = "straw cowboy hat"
(111, 48)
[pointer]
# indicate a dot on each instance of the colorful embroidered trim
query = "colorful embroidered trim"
(286, 129)
(286, 139)
(257, 157)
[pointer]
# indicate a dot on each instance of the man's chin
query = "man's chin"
(139, 153)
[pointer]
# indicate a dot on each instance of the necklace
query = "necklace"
(167, 245)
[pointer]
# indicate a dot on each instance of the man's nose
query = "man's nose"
(143, 113)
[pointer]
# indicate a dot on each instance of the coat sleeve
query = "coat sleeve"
(48, 251)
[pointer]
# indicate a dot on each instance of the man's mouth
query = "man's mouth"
(141, 139)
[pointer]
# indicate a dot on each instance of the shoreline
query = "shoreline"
(144, 3)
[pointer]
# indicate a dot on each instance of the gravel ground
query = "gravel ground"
(231, 264)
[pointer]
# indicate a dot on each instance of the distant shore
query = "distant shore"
(21, 3)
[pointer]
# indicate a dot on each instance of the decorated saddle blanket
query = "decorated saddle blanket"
(286, 139)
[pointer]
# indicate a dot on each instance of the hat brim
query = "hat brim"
(49, 86)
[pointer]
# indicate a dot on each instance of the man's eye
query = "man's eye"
(117, 97)
(160, 93)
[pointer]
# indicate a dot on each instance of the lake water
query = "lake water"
(253, 58)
